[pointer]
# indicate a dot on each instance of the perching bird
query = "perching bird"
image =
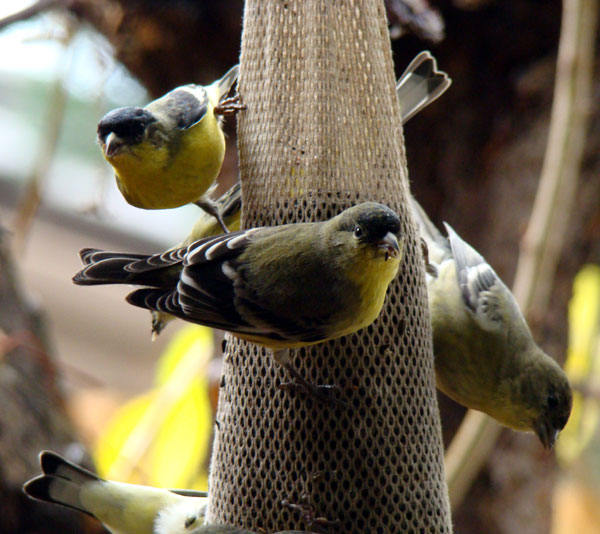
(282, 287)
(170, 152)
(485, 356)
(420, 84)
(122, 508)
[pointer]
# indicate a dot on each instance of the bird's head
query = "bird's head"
(122, 129)
(374, 228)
(555, 402)
(184, 516)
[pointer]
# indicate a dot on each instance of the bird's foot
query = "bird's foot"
(229, 106)
(322, 393)
(429, 267)
(320, 525)
(212, 209)
(158, 324)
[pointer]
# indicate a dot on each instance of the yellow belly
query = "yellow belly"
(152, 177)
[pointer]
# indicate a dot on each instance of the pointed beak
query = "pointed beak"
(389, 245)
(547, 433)
(112, 144)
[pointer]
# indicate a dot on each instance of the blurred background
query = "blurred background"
(78, 372)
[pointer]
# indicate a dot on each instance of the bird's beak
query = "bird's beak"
(112, 144)
(389, 245)
(547, 433)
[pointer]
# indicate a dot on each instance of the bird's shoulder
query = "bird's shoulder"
(483, 292)
(183, 107)
(222, 247)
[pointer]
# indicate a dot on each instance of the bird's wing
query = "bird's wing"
(206, 292)
(420, 84)
(182, 107)
(483, 293)
(212, 290)
(211, 285)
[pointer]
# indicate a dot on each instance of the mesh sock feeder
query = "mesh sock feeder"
(322, 132)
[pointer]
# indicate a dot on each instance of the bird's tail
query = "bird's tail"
(60, 483)
(102, 267)
(230, 202)
(217, 90)
(420, 84)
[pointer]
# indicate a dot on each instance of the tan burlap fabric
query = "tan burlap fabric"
(322, 132)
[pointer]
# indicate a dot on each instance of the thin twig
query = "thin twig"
(544, 238)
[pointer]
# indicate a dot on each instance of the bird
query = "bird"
(420, 84)
(169, 152)
(485, 356)
(282, 287)
(122, 508)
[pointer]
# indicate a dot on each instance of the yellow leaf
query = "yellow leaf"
(582, 363)
(108, 448)
(195, 342)
(163, 437)
(182, 444)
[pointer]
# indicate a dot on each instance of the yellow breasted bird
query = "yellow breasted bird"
(169, 152)
(122, 508)
(420, 84)
(485, 356)
(282, 287)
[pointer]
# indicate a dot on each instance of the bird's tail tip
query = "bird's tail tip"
(38, 488)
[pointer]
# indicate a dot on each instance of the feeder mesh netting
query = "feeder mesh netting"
(322, 132)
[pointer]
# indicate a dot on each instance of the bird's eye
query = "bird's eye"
(190, 521)
(358, 232)
(552, 401)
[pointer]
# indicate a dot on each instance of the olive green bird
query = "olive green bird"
(420, 84)
(169, 152)
(485, 356)
(282, 287)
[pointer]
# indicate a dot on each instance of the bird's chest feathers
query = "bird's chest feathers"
(371, 277)
(169, 172)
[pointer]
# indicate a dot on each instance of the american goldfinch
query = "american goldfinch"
(170, 152)
(122, 508)
(485, 356)
(420, 84)
(282, 287)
